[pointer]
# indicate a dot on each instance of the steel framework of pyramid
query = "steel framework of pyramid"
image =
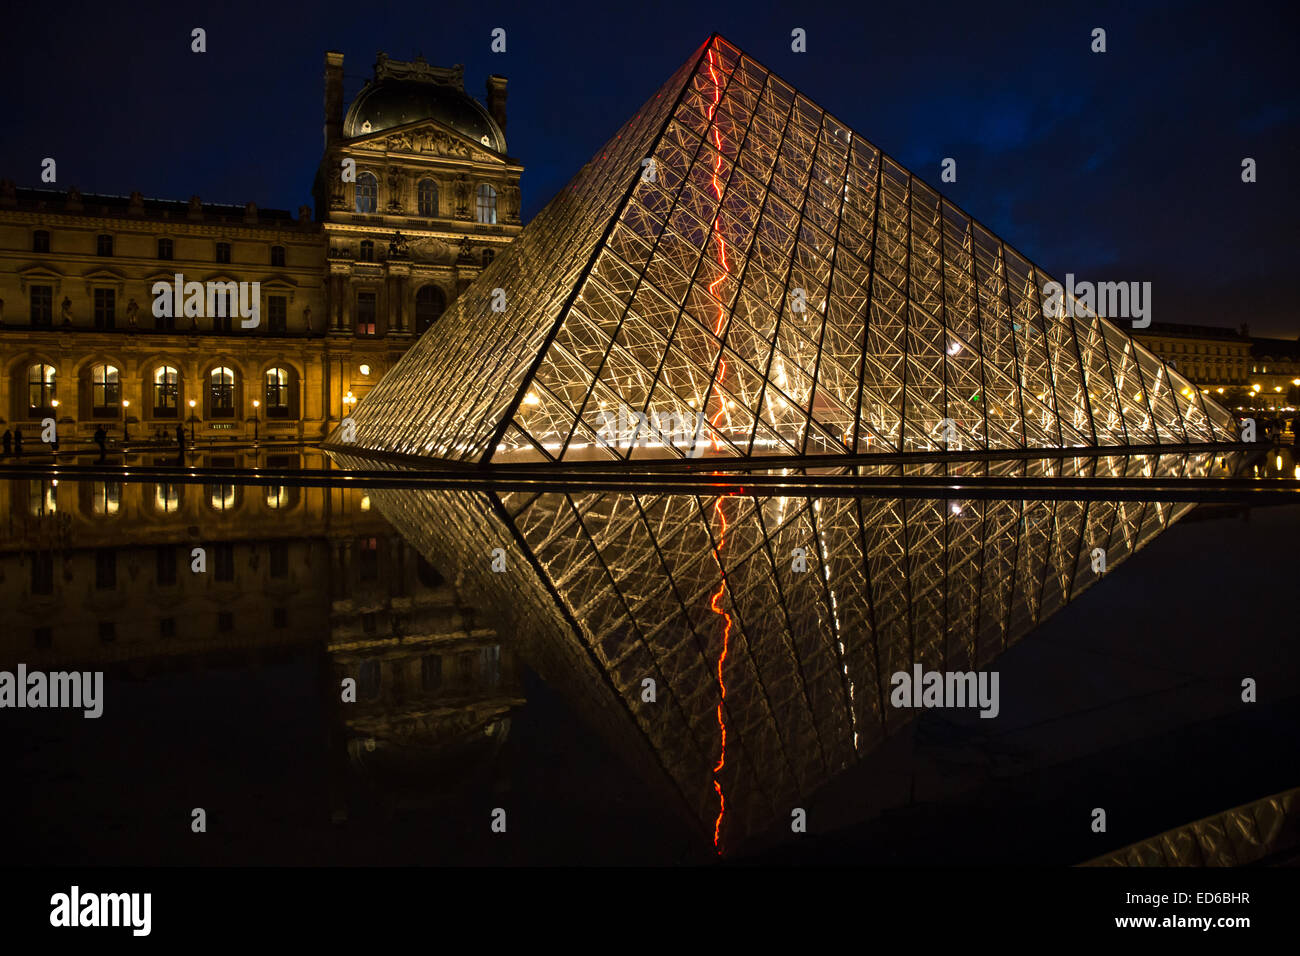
(738, 274)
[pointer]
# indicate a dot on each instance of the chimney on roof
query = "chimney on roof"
(333, 97)
(496, 99)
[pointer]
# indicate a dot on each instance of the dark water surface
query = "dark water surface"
(523, 689)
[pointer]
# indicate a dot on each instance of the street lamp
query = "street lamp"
(256, 420)
(192, 419)
(126, 420)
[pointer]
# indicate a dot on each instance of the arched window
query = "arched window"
(222, 497)
(166, 497)
(279, 393)
(367, 192)
(367, 252)
(221, 393)
(40, 390)
(429, 305)
(166, 391)
(279, 497)
(487, 204)
(105, 391)
(428, 197)
(106, 498)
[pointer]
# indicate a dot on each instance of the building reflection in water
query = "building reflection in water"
(817, 601)
(98, 575)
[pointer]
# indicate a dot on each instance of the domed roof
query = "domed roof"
(403, 93)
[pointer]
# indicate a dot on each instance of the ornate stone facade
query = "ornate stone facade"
(342, 295)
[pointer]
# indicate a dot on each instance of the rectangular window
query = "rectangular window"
(105, 308)
(366, 312)
(42, 306)
(223, 252)
(277, 309)
(40, 241)
(223, 317)
(431, 671)
(166, 560)
(105, 569)
(223, 559)
(43, 572)
(279, 559)
(165, 249)
(277, 255)
(368, 559)
(103, 245)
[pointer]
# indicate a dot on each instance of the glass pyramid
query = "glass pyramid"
(738, 274)
(773, 674)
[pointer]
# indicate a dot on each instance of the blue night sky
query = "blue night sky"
(1122, 166)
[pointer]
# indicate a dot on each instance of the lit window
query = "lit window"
(106, 497)
(277, 393)
(221, 393)
(277, 496)
(105, 390)
(487, 204)
(166, 391)
(40, 390)
(166, 497)
(221, 497)
(366, 311)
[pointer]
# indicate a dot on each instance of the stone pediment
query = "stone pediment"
(430, 138)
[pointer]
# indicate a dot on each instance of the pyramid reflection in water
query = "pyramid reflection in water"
(604, 590)
(737, 273)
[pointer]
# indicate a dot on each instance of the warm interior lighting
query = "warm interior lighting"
(532, 399)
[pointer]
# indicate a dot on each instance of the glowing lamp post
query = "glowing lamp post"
(192, 420)
(256, 420)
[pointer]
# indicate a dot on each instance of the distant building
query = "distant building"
(1228, 364)
(432, 198)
